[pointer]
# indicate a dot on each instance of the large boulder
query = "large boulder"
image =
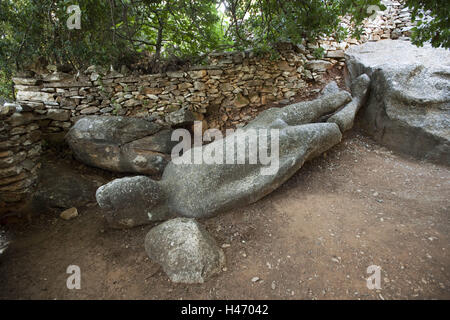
(209, 188)
(409, 104)
(121, 144)
(185, 250)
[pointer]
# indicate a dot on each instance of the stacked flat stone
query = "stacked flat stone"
(20, 148)
(229, 81)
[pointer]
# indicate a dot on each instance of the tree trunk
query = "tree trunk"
(159, 40)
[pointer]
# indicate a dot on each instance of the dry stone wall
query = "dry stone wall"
(20, 148)
(230, 80)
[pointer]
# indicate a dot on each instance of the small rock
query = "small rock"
(181, 117)
(69, 214)
(255, 279)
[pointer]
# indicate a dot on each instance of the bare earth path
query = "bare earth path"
(314, 238)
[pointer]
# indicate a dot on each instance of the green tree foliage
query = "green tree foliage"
(122, 32)
(110, 29)
(163, 27)
(35, 30)
(263, 22)
(437, 29)
(112, 32)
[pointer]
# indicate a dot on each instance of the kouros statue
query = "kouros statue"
(234, 171)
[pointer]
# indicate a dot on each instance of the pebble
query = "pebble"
(69, 214)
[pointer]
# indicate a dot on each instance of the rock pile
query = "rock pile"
(392, 23)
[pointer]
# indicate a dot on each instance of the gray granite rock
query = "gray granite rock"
(133, 201)
(182, 117)
(345, 117)
(205, 190)
(121, 144)
(185, 250)
(302, 112)
(409, 104)
(330, 88)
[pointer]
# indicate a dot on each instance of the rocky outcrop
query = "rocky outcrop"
(409, 104)
(185, 250)
(204, 190)
(121, 144)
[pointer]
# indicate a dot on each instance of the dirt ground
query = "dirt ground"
(313, 238)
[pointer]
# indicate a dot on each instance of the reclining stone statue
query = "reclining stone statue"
(201, 190)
